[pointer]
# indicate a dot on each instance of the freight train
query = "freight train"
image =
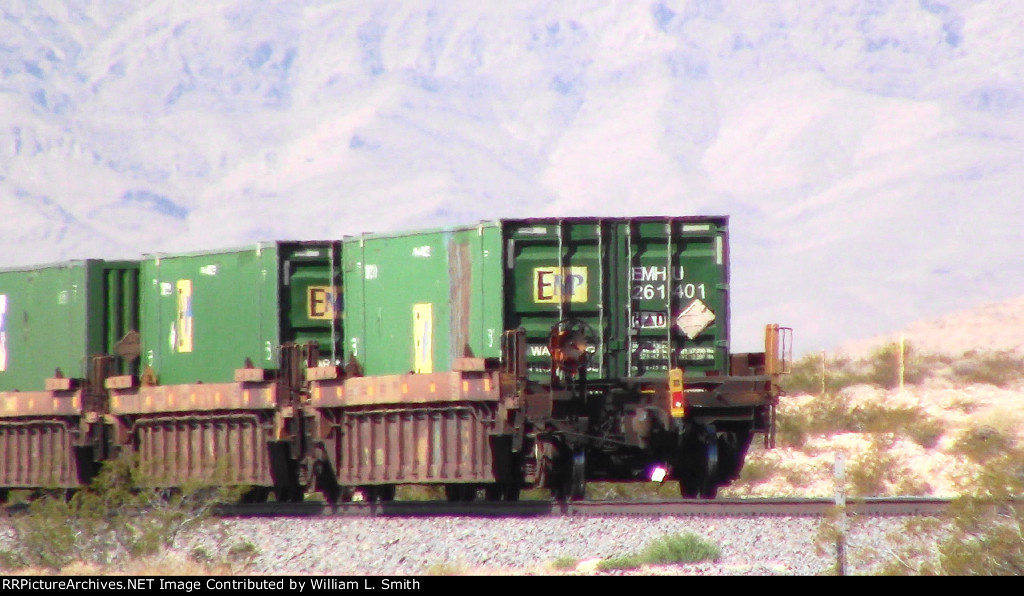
(510, 354)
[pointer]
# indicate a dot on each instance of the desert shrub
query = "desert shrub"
(792, 430)
(757, 470)
(202, 555)
(925, 431)
(997, 548)
(227, 558)
(798, 477)
(631, 491)
(447, 568)
(982, 532)
(624, 562)
(834, 413)
(881, 369)
(241, 554)
(11, 559)
(116, 519)
(911, 550)
(676, 548)
(868, 474)
(988, 525)
(806, 377)
(415, 492)
(826, 413)
(564, 563)
(829, 531)
(912, 422)
(993, 368)
(982, 443)
(911, 484)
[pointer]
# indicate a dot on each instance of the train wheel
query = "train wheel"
(699, 462)
(709, 490)
(290, 493)
(333, 493)
(381, 492)
(465, 493)
(540, 466)
(4, 496)
(571, 481)
(732, 452)
(327, 483)
(578, 476)
(502, 492)
(339, 494)
(255, 494)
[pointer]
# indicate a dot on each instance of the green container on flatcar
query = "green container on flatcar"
(204, 315)
(651, 293)
(57, 316)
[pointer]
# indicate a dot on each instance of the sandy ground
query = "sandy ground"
(910, 468)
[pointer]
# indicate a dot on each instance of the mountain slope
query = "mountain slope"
(869, 155)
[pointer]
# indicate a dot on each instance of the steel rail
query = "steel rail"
(902, 506)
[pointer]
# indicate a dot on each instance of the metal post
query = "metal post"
(840, 500)
(823, 372)
(900, 360)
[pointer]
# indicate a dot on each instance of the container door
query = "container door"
(204, 315)
(418, 301)
(675, 299)
(648, 293)
(58, 316)
(114, 313)
(555, 275)
(43, 325)
(311, 304)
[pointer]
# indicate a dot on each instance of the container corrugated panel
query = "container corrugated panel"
(56, 316)
(230, 448)
(205, 314)
(652, 293)
(442, 444)
(38, 453)
(416, 302)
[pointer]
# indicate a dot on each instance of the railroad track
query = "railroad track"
(723, 507)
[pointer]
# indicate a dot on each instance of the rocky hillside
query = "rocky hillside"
(994, 326)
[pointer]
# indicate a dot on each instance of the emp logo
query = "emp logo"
(553, 285)
(320, 302)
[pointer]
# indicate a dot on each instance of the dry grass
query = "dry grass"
(163, 564)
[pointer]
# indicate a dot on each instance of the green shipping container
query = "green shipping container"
(205, 314)
(57, 316)
(650, 293)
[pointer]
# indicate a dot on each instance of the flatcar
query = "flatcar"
(504, 355)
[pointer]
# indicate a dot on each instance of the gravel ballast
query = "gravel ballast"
(404, 546)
